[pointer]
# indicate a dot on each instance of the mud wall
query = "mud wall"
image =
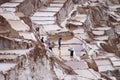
(65, 10)
(6, 30)
(8, 44)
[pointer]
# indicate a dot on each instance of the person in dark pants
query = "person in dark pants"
(59, 43)
(71, 52)
(42, 40)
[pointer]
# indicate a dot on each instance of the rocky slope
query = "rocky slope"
(91, 27)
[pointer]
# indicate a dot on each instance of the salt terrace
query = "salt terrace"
(93, 35)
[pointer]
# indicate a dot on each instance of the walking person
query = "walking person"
(59, 43)
(71, 52)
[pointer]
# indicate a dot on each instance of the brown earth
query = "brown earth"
(3, 1)
(6, 30)
(64, 35)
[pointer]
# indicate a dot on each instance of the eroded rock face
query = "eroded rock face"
(30, 6)
(5, 28)
(96, 16)
(64, 12)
